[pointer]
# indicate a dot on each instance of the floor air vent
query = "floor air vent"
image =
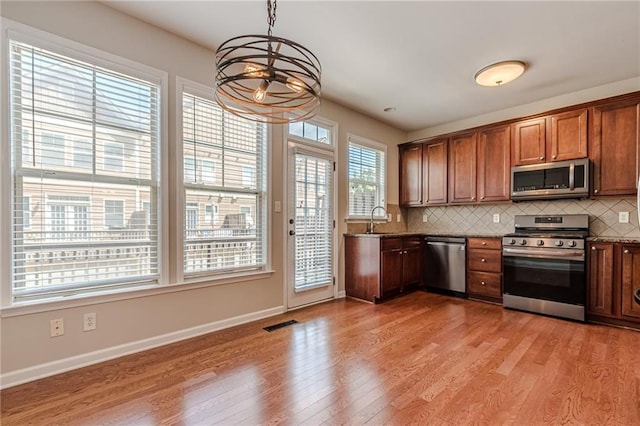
(280, 325)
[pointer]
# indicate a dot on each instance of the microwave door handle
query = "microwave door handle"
(572, 176)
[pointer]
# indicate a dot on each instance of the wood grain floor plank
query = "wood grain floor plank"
(419, 359)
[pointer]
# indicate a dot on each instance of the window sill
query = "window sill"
(47, 305)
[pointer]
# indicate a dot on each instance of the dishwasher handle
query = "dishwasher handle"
(438, 243)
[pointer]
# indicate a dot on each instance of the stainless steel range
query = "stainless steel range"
(544, 265)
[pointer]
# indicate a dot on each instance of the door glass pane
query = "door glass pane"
(313, 221)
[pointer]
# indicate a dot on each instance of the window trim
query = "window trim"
(184, 85)
(15, 31)
(359, 140)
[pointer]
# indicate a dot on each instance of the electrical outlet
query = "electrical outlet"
(425, 218)
(389, 217)
(89, 321)
(623, 217)
(398, 217)
(57, 327)
(496, 218)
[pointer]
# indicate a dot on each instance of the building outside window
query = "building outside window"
(52, 150)
(114, 213)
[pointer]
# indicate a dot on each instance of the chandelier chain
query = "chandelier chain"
(271, 14)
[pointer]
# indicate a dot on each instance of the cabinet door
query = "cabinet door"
(630, 281)
(462, 168)
(568, 135)
(434, 162)
(600, 298)
(494, 157)
(529, 142)
(411, 267)
(390, 272)
(615, 135)
(411, 175)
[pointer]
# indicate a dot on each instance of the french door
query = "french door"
(310, 226)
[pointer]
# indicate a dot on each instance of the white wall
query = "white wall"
(125, 325)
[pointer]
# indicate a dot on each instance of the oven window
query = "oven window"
(547, 279)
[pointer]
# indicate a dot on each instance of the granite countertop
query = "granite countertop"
(419, 234)
(614, 240)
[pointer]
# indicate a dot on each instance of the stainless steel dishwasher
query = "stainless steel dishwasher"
(445, 264)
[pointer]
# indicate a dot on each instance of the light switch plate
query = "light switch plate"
(278, 206)
(398, 217)
(389, 217)
(425, 218)
(623, 217)
(496, 218)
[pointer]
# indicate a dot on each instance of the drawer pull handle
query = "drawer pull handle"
(626, 251)
(541, 158)
(483, 260)
(484, 243)
(593, 248)
(595, 191)
(482, 283)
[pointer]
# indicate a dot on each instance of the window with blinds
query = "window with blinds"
(224, 187)
(366, 178)
(84, 143)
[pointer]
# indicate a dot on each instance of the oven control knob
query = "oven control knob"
(572, 243)
(523, 242)
(540, 243)
(512, 241)
(559, 243)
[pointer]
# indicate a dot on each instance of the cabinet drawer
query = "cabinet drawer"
(485, 260)
(484, 284)
(410, 242)
(484, 243)
(390, 243)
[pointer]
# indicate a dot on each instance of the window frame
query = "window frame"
(382, 197)
(14, 31)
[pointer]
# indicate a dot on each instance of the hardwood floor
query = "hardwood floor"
(421, 359)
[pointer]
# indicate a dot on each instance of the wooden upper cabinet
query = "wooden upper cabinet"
(434, 172)
(614, 147)
(494, 171)
(411, 175)
(630, 281)
(462, 168)
(568, 139)
(600, 297)
(529, 142)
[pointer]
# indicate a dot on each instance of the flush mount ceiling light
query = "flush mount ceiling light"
(500, 73)
(266, 78)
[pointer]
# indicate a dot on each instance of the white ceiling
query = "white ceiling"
(420, 57)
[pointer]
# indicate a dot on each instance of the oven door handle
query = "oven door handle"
(544, 254)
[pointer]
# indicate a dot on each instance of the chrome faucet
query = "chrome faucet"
(370, 230)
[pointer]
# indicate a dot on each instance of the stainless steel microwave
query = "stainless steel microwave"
(562, 179)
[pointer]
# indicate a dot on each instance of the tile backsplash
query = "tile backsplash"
(478, 220)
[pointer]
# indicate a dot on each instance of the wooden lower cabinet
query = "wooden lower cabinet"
(613, 275)
(379, 267)
(484, 269)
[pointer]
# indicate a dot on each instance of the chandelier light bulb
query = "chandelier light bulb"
(260, 94)
(253, 70)
(295, 84)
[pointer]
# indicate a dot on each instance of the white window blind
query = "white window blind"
(366, 180)
(84, 143)
(224, 184)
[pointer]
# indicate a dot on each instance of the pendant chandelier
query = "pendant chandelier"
(266, 78)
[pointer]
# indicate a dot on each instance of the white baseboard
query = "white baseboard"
(40, 371)
(341, 294)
